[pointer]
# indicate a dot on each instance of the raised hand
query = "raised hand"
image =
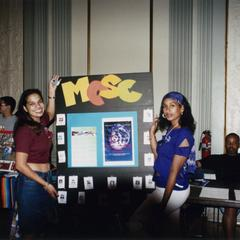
(54, 82)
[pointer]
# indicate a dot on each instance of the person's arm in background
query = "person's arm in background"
(52, 86)
(209, 162)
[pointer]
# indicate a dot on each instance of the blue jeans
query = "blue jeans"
(35, 205)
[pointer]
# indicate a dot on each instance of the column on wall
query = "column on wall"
(180, 47)
(190, 57)
(218, 122)
(59, 39)
(60, 15)
(202, 65)
(233, 69)
(11, 45)
(47, 28)
(35, 45)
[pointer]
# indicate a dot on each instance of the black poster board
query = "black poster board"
(102, 125)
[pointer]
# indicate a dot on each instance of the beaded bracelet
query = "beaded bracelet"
(51, 97)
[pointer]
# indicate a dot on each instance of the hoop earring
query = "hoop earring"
(163, 115)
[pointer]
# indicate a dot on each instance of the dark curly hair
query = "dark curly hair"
(9, 101)
(186, 119)
(23, 117)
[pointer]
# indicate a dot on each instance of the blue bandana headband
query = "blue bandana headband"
(175, 96)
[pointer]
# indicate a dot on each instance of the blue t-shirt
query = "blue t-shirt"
(166, 149)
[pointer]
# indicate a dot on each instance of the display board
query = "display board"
(102, 137)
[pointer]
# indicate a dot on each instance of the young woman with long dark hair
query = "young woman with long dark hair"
(33, 140)
(170, 166)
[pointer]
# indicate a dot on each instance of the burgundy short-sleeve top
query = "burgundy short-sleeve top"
(37, 146)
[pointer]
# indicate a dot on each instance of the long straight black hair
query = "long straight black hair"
(186, 119)
(23, 117)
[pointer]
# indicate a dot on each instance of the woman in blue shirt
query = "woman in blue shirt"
(170, 167)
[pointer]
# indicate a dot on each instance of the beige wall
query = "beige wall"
(124, 47)
(115, 36)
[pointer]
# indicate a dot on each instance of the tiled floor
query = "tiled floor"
(211, 231)
(208, 230)
(114, 230)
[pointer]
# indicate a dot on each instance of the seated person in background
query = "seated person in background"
(7, 122)
(7, 119)
(227, 169)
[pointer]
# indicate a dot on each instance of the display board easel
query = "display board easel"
(102, 139)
